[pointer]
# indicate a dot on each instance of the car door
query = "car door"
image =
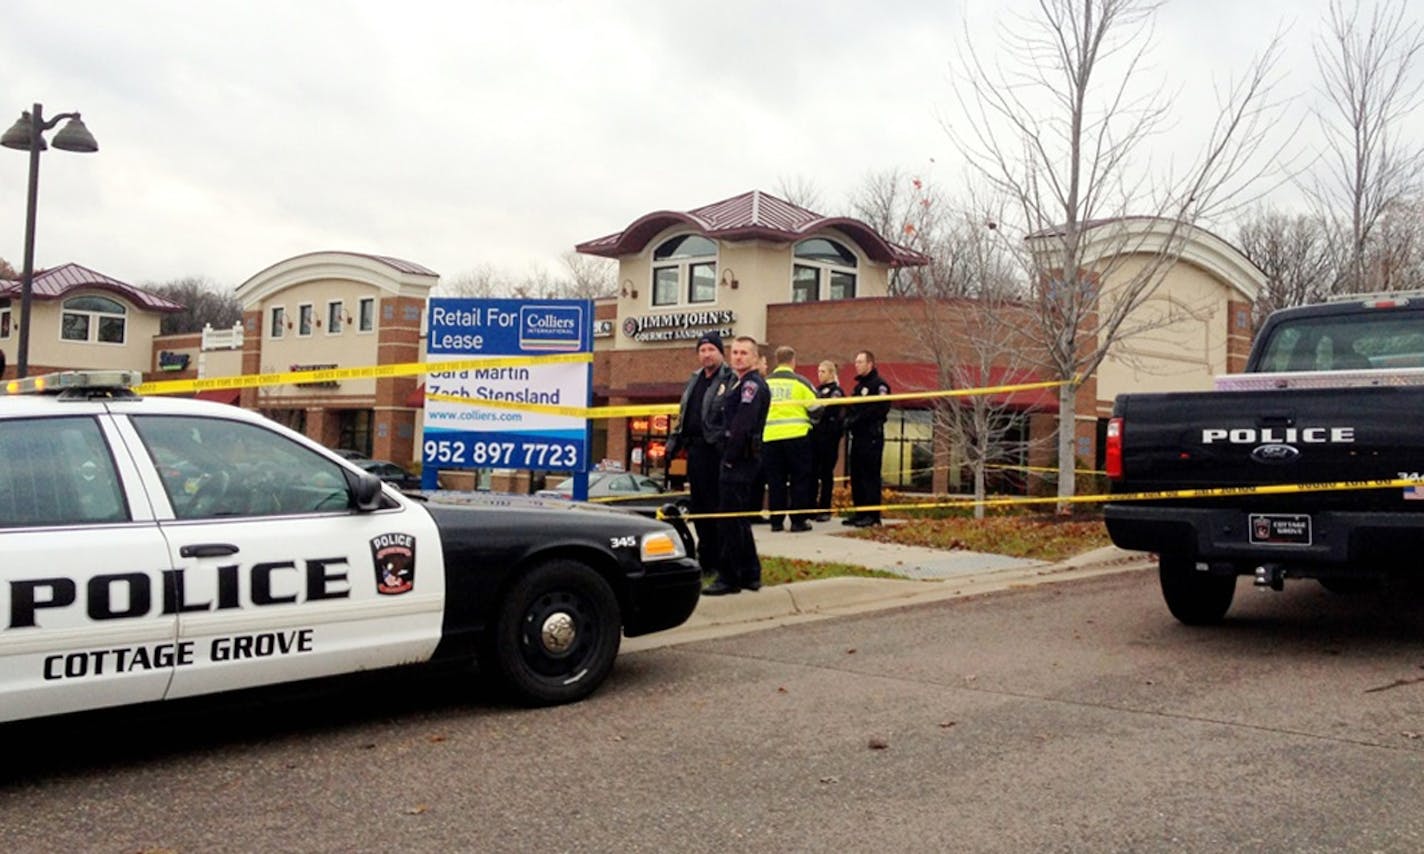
(83, 571)
(280, 577)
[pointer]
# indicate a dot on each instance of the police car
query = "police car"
(154, 548)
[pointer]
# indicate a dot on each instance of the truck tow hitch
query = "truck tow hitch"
(1271, 575)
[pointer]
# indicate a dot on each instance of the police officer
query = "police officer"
(865, 424)
(699, 432)
(826, 440)
(786, 443)
(744, 405)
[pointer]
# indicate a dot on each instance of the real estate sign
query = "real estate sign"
(516, 435)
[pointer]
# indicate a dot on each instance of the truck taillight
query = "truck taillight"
(1112, 461)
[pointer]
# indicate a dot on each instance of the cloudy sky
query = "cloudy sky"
(236, 134)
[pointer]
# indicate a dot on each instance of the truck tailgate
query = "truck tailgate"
(1192, 440)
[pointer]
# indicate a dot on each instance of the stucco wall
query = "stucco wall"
(47, 349)
(348, 349)
(761, 270)
(1180, 342)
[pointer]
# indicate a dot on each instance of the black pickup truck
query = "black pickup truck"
(1332, 393)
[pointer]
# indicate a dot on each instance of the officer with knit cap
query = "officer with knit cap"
(699, 432)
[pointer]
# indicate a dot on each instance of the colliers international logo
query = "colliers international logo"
(394, 556)
(553, 328)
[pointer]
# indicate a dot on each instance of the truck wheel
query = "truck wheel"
(556, 634)
(1195, 598)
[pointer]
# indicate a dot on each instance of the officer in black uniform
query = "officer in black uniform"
(744, 406)
(826, 434)
(699, 431)
(865, 424)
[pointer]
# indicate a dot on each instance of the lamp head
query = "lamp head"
(21, 134)
(74, 136)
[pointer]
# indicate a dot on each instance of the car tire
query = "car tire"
(1195, 598)
(556, 634)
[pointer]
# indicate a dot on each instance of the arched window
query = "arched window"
(93, 318)
(822, 269)
(688, 259)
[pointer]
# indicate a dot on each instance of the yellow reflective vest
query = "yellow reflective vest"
(793, 406)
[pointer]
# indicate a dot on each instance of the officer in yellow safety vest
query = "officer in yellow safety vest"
(786, 443)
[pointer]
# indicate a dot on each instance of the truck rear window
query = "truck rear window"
(1347, 342)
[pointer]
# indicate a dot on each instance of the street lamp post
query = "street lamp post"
(27, 134)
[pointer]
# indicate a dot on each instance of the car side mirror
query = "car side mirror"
(365, 489)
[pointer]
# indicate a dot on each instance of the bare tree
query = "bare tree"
(1394, 259)
(801, 191)
(203, 301)
(897, 206)
(1060, 128)
(1367, 70)
(482, 282)
(1295, 255)
(8, 272)
(591, 277)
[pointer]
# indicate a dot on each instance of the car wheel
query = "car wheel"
(1195, 598)
(556, 634)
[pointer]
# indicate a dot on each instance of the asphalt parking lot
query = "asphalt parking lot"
(1071, 716)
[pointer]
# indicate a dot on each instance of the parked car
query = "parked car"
(390, 473)
(622, 489)
(349, 454)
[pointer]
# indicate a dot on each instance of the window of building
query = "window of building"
(688, 260)
(908, 461)
(366, 314)
(93, 318)
(4, 318)
(305, 313)
(335, 314)
(823, 269)
(278, 327)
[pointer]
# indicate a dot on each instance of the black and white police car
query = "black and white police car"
(154, 548)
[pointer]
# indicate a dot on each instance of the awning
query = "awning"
(221, 395)
(416, 399)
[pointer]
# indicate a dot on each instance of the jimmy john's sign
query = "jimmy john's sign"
(679, 325)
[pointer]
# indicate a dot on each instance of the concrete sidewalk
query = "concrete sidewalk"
(930, 575)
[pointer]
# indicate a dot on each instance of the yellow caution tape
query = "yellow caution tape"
(1164, 495)
(405, 369)
(852, 400)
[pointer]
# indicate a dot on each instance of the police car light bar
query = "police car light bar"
(75, 380)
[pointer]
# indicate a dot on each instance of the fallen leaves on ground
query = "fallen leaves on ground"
(1015, 536)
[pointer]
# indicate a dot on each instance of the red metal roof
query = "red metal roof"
(753, 215)
(57, 282)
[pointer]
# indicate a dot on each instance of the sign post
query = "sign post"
(464, 435)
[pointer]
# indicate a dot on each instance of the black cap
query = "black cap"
(712, 338)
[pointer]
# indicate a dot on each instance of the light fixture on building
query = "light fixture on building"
(628, 290)
(729, 278)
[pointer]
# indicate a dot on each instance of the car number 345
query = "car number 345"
(623, 542)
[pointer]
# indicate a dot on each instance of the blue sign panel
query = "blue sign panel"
(471, 435)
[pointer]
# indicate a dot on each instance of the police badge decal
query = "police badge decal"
(394, 556)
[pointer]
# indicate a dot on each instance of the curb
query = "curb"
(807, 601)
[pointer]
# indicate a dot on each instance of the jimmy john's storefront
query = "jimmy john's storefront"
(759, 266)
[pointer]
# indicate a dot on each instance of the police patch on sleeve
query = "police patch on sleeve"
(749, 390)
(394, 556)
